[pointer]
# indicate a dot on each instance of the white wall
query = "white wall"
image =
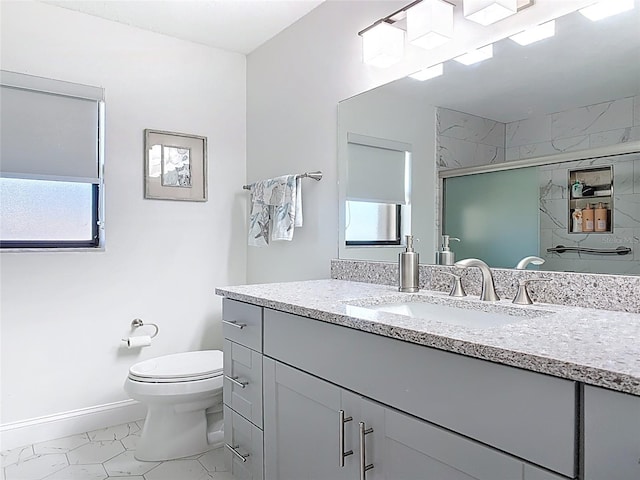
(294, 83)
(63, 314)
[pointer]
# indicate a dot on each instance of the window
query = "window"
(51, 156)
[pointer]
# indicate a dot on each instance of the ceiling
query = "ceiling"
(233, 25)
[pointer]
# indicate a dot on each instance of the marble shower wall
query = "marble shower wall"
(554, 219)
(464, 140)
(591, 126)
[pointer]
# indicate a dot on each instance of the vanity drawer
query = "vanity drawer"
(527, 414)
(243, 381)
(243, 447)
(242, 323)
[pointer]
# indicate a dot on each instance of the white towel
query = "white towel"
(298, 202)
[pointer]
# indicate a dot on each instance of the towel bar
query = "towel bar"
(315, 175)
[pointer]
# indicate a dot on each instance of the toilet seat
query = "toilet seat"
(179, 367)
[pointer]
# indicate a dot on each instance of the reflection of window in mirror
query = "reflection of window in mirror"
(378, 191)
(369, 223)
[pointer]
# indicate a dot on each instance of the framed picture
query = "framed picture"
(175, 166)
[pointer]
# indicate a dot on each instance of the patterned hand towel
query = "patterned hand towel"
(284, 211)
(278, 201)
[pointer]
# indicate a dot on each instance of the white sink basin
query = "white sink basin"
(452, 311)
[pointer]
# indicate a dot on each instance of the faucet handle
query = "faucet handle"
(456, 288)
(522, 296)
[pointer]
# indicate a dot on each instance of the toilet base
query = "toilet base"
(168, 435)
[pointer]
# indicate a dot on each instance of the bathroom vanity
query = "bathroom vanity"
(321, 384)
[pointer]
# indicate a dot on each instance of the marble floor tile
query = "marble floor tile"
(117, 432)
(105, 454)
(17, 455)
(95, 452)
(126, 464)
(213, 460)
(80, 472)
(36, 468)
(182, 469)
(61, 445)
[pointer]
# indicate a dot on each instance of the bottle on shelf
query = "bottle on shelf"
(576, 189)
(588, 218)
(601, 218)
(576, 226)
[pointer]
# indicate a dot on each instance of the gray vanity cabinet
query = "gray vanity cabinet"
(302, 426)
(528, 415)
(401, 447)
(242, 393)
(611, 435)
(303, 429)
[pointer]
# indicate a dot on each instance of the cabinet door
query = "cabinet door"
(402, 447)
(611, 435)
(243, 381)
(301, 426)
(243, 447)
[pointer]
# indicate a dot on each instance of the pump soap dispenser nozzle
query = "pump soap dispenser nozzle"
(408, 268)
(445, 256)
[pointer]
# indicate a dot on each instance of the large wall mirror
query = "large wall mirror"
(534, 119)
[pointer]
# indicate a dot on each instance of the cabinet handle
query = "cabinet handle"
(243, 458)
(363, 462)
(234, 324)
(343, 454)
(235, 381)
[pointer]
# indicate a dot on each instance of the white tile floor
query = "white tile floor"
(105, 454)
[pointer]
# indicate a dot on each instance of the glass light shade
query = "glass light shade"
(476, 56)
(535, 34)
(382, 45)
(428, 73)
(486, 12)
(430, 23)
(606, 9)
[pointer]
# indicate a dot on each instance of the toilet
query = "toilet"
(183, 395)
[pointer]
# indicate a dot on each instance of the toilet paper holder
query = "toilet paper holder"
(137, 323)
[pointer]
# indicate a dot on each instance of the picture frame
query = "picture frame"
(175, 166)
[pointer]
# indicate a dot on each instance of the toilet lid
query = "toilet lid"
(180, 366)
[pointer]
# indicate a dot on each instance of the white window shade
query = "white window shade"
(376, 174)
(49, 129)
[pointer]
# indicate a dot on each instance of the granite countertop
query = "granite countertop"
(597, 347)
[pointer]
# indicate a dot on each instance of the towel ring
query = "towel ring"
(137, 322)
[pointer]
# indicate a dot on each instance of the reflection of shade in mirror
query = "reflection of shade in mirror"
(369, 223)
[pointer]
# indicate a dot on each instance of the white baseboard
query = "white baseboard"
(50, 427)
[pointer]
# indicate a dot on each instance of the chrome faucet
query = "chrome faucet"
(522, 264)
(488, 292)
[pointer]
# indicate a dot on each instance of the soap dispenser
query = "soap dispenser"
(445, 256)
(409, 279)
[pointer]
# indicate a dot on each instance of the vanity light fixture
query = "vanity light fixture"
(382, 44)
(535, 34)
(428, 73)
(606, 8)
(475, 56)
(486, 12)
(430, 23)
